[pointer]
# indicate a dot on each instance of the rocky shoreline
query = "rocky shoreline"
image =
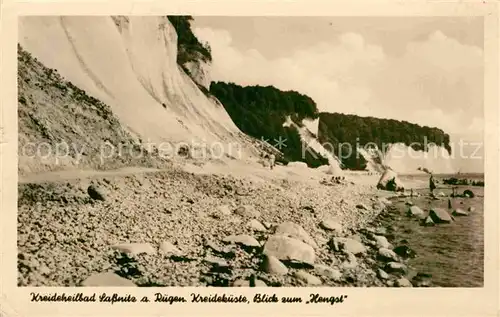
(427, 224)
(180, 229)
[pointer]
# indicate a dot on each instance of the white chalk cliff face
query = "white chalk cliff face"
(200, 72)
(374, 159)
(405, 160)
(130, 64)
(309, 140)
(398, 157)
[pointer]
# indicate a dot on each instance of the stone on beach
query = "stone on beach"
(390, 181)
(382, 274)
(107, 279)
(347, 245)
(307, 278)
(468, 193)
(168, 248)
(350, 263)
(361, 206)
(404, 251)
(242, 239)
(380, 230)
(396, 267)
(403, 282)
(135, 248)
(289, 249)
(267, 224)
(378, 206)
(215, 261)
(327, 272)
(459, 212)
(331, 225)
(223, 210)
(387, 255)
(415, 211)
(428, 222)
(385, 201)
(255, 225)
(272, 265)
(439, 215)
(241, 283)
(96, 193)
(382, 241)
(259, 283)
(471, 209)
(295, 231)
(247, 211)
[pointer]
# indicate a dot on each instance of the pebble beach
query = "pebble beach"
(180, 228)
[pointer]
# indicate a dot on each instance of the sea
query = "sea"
(452, 253)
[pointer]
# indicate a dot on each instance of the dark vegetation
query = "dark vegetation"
(189, 47)
(261, 111)
(336, 129)
(463, 181)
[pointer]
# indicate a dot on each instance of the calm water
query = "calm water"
(452, 253)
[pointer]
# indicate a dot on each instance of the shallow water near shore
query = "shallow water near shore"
(452, 253)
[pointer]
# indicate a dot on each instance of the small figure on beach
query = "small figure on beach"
(432, 185)
(268, 159)
(272, 160)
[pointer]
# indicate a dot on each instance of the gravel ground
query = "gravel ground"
(67, 234)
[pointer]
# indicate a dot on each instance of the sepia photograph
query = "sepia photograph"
(251, 151)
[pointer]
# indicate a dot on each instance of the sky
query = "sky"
(424, 70)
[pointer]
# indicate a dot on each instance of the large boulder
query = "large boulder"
(272, 265)
(396, 267)
(387, 255)
(468, 193)
(289, 249)
(439, 215)
(96, 193)
(390, 181)
(415, 211)
(331, 224)
(347, 245)
(307, 278)
(404, 251)
(460, 212)
(167, 248)
(242, 239)
(255, 225)
(381, 241)
(294, 230)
